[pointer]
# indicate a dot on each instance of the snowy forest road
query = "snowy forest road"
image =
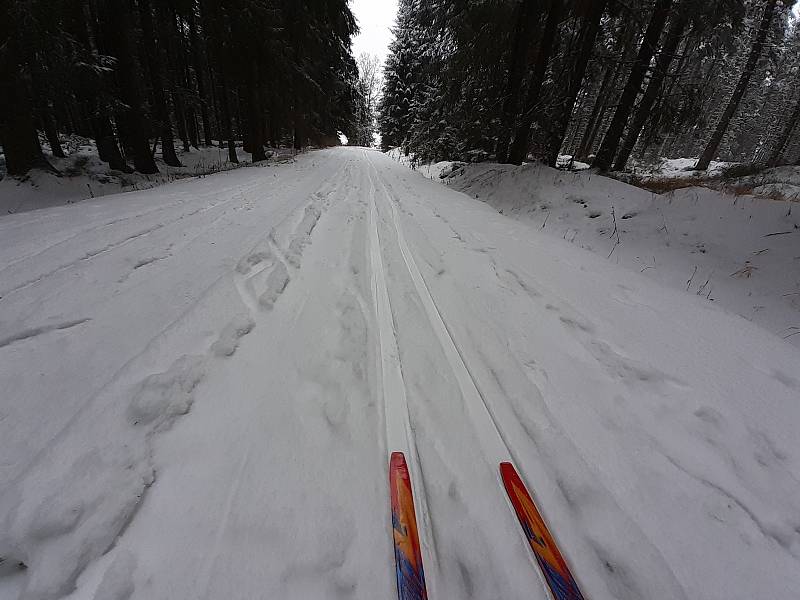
(193, 400)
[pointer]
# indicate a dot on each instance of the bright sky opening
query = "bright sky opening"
(375, 20)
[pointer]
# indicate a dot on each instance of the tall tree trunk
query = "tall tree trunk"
(633, 86)
(226, 119)
(212, 20)
(624, 46)
(526, 20)
(255, 117)
(244, 120)
(50, 131)
(107, 147)
(132, 122)
(657, 79)
(199, 73)
(183, 49)
(44, 109)
(299, 136)
(297, 139)
(780, 145)
(169, 26)
(101, 128)
(215, 93)
(589, 30)
(154, 46)
(175, 61)
(598, 110)
(17, 124)
(18, 130)
(741, 87)
(180, 120)
(191, 115)
(519, 147)
(687, 58)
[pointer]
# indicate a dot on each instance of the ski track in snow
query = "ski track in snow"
(399, 434)
(313, 317)
(37, 331)
(90, 254)
(492, 440)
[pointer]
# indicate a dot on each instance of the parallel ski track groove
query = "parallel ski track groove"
(91, 254)
(490, 436)
(399, 434)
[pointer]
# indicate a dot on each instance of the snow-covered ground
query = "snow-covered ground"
(737, 179)
(84, 176)
(739, 251)
(678, 167)
(194, 397)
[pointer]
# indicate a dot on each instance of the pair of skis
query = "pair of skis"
(408, 557)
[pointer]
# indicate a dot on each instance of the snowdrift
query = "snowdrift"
(739, 251)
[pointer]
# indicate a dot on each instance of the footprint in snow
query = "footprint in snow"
(710, 416)
(228, 340)
(244, 266)
(627, 369)
(276, 283)
(161, 397)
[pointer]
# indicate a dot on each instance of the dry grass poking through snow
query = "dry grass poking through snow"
(779, 184)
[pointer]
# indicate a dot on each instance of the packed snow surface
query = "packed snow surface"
(739, 251)
(201, 384)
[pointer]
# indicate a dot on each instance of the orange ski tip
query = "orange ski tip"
(408, 556)
(554, 568)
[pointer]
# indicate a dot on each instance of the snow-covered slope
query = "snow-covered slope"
(742, 252)
(193, 400)
(83, 176)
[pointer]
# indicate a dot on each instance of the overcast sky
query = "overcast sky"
(375, 19)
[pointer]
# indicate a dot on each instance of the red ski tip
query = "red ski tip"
(407, 554)
(552, 564)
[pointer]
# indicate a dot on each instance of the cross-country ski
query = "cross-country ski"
(407, 553)
(555, 571)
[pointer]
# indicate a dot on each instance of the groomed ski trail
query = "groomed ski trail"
(488, 432)
(656, 430)
(555, 452)
(399, 434)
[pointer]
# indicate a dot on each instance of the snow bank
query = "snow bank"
(442, 169)
(742, 252)
(85, 176)
(433, 171)
(678, 167)
(568, 162)
(779, 183)
(776, 183)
